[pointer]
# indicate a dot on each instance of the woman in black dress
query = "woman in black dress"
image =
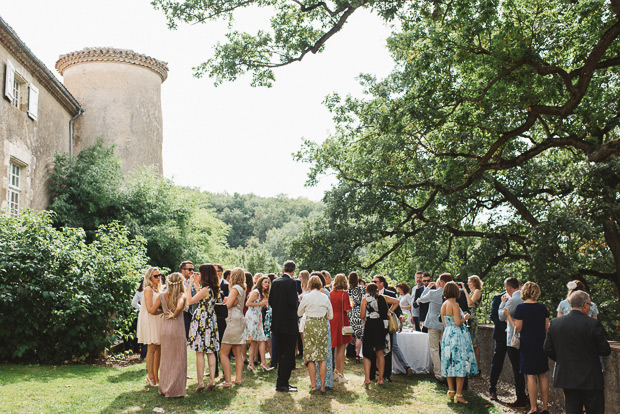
(374, 313)
(532, 321)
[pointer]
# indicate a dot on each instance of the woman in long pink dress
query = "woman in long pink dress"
(341, 304)
(173, 379)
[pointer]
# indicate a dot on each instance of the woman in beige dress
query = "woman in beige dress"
(172, 336)
(234, 335)
(149, 324)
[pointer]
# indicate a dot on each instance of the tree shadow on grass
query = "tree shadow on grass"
(127, 376)
(12, 373)
(206, 401)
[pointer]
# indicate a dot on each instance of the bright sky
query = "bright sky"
(231, 138)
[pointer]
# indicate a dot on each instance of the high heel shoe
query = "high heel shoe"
(451, 394)
(251, 368)
(149, 382)
(266, 368)
(458, 398)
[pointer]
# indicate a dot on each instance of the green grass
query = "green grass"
(91, 389)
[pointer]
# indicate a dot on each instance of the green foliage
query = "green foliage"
(61, 297)
(91, 190)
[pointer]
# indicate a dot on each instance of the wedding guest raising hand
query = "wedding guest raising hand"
(149, 324)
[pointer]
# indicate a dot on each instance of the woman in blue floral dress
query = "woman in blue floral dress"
(457, 352)
(203, 336)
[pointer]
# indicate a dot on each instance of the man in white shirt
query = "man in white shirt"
(510, 301)
(434, 297)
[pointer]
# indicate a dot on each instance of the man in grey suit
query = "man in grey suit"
(434, 297)
(575, 341)
(509, 304)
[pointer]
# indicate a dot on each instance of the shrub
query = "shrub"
(61, 298)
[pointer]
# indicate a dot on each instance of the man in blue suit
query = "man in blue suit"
(283, 300)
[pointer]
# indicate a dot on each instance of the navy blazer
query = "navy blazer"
(283, 300)
(575, 341)
(499, 331)
(398, 311)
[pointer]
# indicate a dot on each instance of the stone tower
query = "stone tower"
(120, 91)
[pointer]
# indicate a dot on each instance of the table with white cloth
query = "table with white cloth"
(414, 346)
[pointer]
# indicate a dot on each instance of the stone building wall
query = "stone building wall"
(27, 141)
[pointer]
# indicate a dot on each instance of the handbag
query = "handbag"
(392, 322)
(515, 341)
(221, 311)
(346, 329)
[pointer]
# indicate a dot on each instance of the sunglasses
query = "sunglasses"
(191, 269)
(426, 281)
(157, 276)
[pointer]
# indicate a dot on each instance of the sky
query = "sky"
(230, 138)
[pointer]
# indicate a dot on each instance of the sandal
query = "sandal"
(458, 398)
(237, 382)
(451, 394)
(224, 384)
(199, 388)
(251, 368)
(210, 386)
(312, 390)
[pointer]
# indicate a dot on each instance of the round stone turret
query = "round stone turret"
(120, 91)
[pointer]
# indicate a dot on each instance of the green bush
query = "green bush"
(61, 298)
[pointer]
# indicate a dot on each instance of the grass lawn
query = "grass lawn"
(92, 389)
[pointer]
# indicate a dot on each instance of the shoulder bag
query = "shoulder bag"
(346, 329)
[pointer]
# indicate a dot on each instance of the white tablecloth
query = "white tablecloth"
(414, 346)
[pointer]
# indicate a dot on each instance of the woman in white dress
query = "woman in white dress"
(149, 324)
(257, 301)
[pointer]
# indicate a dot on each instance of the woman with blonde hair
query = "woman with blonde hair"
(473, 301)
(531, 320)
(257, 301)
(172, 336)
(234, 335)
(149, 324)
(203, 334)
(304, 277)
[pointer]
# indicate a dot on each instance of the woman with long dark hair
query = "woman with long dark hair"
(374, 313)
(203, 336)
(258, 300)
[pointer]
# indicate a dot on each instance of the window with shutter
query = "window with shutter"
(14, 188)
(9, 81)
(33, 101)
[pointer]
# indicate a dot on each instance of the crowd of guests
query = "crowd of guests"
(233, 314)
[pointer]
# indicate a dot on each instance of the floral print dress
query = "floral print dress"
(457, 351)
(254, 321)
(203, 335)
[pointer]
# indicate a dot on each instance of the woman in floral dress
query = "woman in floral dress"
(203, 335)
(257, 300)
(457, 352)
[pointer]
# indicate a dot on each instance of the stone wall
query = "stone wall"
(31, 143)
(612, 370)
